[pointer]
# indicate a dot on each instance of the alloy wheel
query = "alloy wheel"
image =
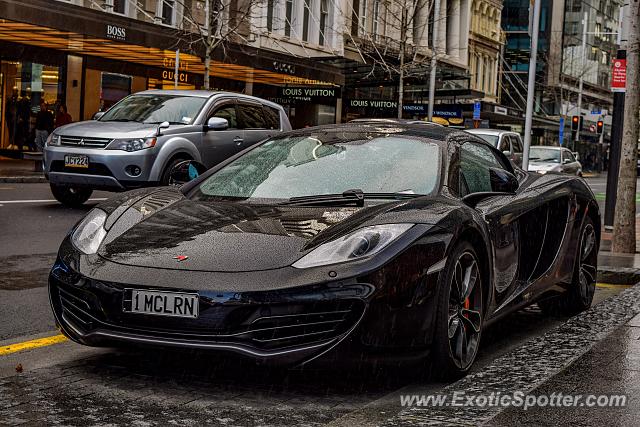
(588, 270)
(465, 311)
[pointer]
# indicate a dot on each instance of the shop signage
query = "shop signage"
(283, 67)
(115, 32)
(500, 110)
(561, 131)
(447, 111)
(309, 93)
(170, 75)
(619, 76)
(373, 103)
(476, 110)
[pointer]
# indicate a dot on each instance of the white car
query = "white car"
(510, 143)
(543, 159)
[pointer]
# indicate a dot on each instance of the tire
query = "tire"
(165, 177)
(579, 296)
(71, 196)
(458, 324)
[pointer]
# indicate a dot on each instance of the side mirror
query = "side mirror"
(502, 181)
(163, 125)
(97, 115)
(185, 171)
(217, 123)
(507, 153)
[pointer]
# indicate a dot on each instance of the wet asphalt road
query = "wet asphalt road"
(29, 236)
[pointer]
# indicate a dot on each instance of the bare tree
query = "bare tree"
(624, 223)
(210, 25)
(394, 42)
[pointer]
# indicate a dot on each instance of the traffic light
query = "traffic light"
(576, 123)
(599, 127)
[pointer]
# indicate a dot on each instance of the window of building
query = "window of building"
(376, 18)
(166, 12)
(324, 14)
(270, 7)
(305, 20)
(288, 17)
(363, 15)
(354, 17)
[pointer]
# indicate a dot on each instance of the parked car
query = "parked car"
(316, 244)
(510, 143)
(138, 140)
(553, 159)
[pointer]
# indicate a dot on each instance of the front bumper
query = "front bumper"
(288, 326)
(107, 168)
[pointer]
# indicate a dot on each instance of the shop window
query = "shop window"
(114, 87)
(252, 117)
(22, 86)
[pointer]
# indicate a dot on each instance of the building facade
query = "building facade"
(485, 48)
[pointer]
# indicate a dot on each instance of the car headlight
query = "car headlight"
(53, 140)
(133, 144)
(361, 243)
(90, 232)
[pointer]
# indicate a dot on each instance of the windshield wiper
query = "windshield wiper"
(355, 195)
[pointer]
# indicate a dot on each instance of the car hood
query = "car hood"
(166, 230)
(111, 130)
(543, 166)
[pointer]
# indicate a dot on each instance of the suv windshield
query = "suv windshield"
(330, 163)
(491, 139)
(544, 155)
(175, 109)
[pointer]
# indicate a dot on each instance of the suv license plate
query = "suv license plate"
(76, 161)
(161, 303)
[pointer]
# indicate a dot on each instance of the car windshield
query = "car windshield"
(329, 163)
(491, 139)
(538, 154)
(175, 109)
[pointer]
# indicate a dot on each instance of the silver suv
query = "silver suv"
(506, 141)
(137, 142)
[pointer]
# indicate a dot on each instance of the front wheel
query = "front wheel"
(71, 196)
(459, 318)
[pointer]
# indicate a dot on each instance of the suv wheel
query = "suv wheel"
(71, 196)
(166, 174)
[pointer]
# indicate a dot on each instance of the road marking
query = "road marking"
(612, 285)
(44, 201)
(29, 345)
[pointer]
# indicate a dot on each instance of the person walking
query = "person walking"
(63, 117)
(44, 125)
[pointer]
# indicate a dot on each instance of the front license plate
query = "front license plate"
(76, 161)
(161, 303)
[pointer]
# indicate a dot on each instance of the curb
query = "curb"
(618, 275)
(23, 179)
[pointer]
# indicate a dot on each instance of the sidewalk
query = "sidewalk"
(618, 268)
(19, 171)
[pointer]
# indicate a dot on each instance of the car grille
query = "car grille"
(268, 327)
(77, 141)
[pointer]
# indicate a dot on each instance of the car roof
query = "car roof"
(206, 94)
(393, 121)
(495, 132)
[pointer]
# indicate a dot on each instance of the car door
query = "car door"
(475, 162)
(219, 145)
(572, 165)
(253, 122)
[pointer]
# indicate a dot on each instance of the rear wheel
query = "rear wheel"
(459, 317)
(70, 195)
(580, 295)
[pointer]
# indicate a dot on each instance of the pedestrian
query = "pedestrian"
(63, 117)
(44, 125)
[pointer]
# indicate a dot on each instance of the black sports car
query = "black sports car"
(368, 238)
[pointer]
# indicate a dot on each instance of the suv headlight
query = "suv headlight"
(133, 144)
(361, 243)
(90, 233)
(53, 140)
